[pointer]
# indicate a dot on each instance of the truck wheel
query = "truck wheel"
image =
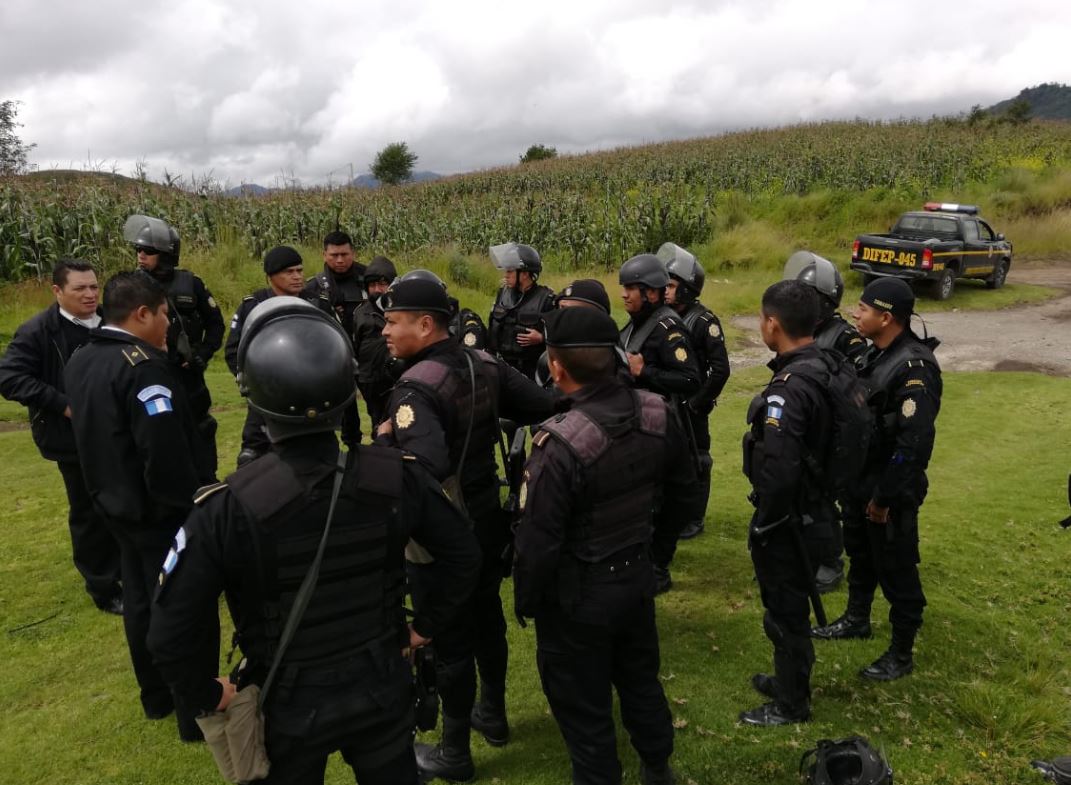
(999, 276)
(943, 286)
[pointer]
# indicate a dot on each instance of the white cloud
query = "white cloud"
(251, 89)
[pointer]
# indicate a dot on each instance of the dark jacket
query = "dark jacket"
(31, 373)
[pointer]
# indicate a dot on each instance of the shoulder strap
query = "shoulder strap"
(427, 372)
(637, 338)
(652, 412)
(308, 586)
(265, 486)
(580, 433)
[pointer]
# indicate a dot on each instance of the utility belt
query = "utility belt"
(630, 558)
(374, 659)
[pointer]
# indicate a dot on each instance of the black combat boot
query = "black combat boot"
(895, 663)
(451, 758)
(828, 578)
(489, 715)
(660, 774)
(691, 530)
(855, 623)
(775, 713)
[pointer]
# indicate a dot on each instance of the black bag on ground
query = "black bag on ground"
(1057, 770)
(850, 761)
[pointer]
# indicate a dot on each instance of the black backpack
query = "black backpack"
(852, 419)
(1057, 770)
(850, 761)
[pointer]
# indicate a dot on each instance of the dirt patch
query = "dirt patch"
(1023, 338)
(6, 426)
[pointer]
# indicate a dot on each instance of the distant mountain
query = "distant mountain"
(1047, 102)
(247, 189)
(368, 181)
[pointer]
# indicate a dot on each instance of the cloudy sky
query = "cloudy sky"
(251, 90)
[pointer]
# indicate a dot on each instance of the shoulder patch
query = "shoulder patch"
(908, 408)
(469, 339)
(153, 391)
(673, 336)
(713, 330)
(178, 545)
(405, 416)
(212, 303)
(134, 355)
(681, 354)
(915, 383)
(203, 494)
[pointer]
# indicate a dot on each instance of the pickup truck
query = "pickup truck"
(937, 245)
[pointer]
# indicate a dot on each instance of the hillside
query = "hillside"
(1047, 102)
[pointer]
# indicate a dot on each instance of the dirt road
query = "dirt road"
(1023, 338)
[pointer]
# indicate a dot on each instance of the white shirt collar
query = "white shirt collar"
(117, 329)
(92, 322)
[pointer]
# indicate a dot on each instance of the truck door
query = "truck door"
(976, 253)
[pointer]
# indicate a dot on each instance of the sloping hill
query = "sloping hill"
(1050, 101)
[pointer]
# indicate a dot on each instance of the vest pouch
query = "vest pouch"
(236, 738)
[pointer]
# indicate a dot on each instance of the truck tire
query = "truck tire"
(943, 286)
(999, 276)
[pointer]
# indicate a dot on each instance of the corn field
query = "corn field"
(592, 210)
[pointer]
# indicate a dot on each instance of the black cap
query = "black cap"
(890, 294)
(576, 327)
(280, 258)
(587, 290)
(417, 294)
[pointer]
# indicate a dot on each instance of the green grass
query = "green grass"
(989, 692)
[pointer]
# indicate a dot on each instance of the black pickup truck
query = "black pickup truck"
(941, 243)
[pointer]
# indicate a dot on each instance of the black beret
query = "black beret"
(417, 294)
(587, 290)
(576, 327)
(890, 294)
(280, 258)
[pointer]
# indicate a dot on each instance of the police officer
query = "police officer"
(660, 357)
(881, 534)
(196, 330)
(31, 373)
(374, 378)
(444, 410)
(343, 683)
(832, 333)
(283, 268)
(337, 290)
(466, 327)
(517, 315)
(142, 459)
(583, 565)
(789, 423)
(582, 293)
(686, 278)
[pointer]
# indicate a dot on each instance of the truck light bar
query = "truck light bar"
(949, 207)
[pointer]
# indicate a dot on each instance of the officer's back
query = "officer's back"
(342, 682)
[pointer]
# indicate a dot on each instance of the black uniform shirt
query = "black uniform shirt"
(249, 302)
(140, 453)
(907, 419)
(217, 551)
(337, 294)
(709, 339)
(554, 492)
(669, 361)
(425, 430)
(795, 422)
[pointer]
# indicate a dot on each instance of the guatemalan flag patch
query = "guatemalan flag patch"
(156, 398)
(172, 559)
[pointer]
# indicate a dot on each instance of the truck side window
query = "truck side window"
(970, 231)
(986, 231)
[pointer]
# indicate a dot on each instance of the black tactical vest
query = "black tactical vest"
(358, 600)
(507, 323)
(633, 338)
(621, 466)
(831, 334)
(882, 373)
(186, 329)
(452, 387)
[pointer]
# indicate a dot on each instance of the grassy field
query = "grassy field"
(990, 689)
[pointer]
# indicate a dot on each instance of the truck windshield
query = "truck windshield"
(927, 226)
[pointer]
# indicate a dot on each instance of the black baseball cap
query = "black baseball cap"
(587, 290)
(890, 294)
(579, 327)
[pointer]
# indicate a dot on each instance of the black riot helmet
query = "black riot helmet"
(683, 266)
(422, 275)
(850, 761)
(147, 232)
(380, 269)
(819, 273)
(516, 256)
(295, 365)
(644, 270)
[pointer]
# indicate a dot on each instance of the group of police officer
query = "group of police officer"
(619, 473)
